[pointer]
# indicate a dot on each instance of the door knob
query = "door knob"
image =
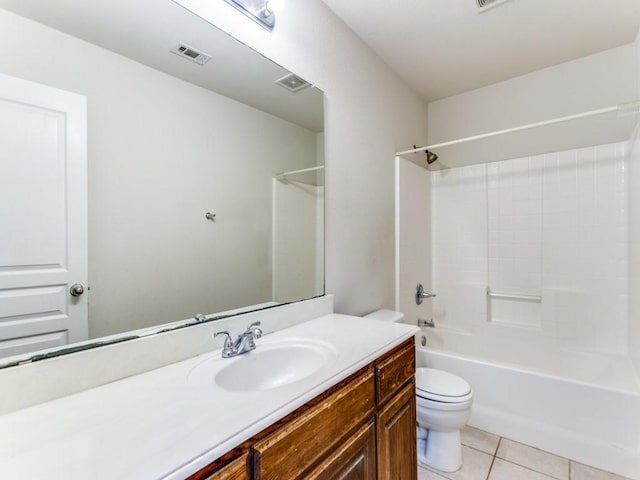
(76, 290)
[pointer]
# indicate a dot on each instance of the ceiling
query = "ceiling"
(445, 47)
(125, 27)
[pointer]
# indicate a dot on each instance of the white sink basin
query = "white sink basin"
(270, 365)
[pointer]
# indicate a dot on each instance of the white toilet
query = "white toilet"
(443, 405)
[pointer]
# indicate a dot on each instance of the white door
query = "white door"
(43, 217)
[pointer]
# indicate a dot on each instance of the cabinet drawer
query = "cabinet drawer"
(236, 470)
(297, 446)
(394, 371)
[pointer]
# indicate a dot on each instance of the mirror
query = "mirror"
(192, 206)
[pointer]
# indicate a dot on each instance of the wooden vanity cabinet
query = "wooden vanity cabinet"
(311, 437)
(361, 429)
(237, 469)
(354, 460)
(396, 414)
(396, 433)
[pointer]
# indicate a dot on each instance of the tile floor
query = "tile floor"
(489, 457)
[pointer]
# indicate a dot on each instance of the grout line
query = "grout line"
(493, 460)
(540, 450)
(478, 450)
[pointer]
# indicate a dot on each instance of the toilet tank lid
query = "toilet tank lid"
(386, 315)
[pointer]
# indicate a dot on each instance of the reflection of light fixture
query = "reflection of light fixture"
(260, 11)
(293, 82)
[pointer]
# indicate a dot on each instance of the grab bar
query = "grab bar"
(514, 296)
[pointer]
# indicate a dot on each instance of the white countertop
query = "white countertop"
(160, 425)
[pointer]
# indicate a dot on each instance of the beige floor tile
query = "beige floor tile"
(475, 466)
(479, 439)
(503, 470)
(424, 474)
(583, 472)
(534, 459)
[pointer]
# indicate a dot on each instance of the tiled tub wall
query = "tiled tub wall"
(633, 214)
(554, 226)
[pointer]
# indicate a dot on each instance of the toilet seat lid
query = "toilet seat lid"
(439, 385)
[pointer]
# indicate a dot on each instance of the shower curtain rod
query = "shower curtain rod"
(293, 172)
(600, 111)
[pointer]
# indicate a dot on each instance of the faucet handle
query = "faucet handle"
(253, 328)
(227, 348)
(227, 340)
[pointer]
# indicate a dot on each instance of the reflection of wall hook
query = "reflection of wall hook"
(210, 216)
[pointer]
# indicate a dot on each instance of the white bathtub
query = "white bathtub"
(591, 424)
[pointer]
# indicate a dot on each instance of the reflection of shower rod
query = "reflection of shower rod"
(623, 107)
(280, 176)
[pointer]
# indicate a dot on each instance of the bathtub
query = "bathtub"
(591, 424)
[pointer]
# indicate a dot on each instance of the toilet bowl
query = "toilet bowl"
(443, 405)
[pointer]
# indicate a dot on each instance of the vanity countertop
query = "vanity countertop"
(161, 425)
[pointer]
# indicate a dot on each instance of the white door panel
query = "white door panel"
(32, 171)
(43, 239)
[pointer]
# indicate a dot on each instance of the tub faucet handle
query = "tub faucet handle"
(421, 294)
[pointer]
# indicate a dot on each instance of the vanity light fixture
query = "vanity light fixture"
(260, 11)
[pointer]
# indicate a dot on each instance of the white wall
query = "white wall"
(413, 221)
(161, 153)
(596, 81)
(633, 213)
(369, 114)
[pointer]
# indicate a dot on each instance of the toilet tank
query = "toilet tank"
(386, 316)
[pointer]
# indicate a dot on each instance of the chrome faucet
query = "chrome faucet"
(426, 323)
(243, 344)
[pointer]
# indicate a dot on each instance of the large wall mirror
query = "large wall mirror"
(204, 174)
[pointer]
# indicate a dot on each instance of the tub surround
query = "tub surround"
(160, 425)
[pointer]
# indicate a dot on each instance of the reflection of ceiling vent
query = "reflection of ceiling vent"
(191, 53)
(484, 5)
(292, 82)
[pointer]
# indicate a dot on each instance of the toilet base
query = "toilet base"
(441, 450)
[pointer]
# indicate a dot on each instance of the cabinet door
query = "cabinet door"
(354, 460)
(396, 431)
(236, 470)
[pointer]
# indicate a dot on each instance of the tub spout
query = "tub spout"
(426, 323)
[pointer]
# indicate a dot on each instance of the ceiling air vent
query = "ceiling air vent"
(484, 5)
(191, 53)
(292, 82)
